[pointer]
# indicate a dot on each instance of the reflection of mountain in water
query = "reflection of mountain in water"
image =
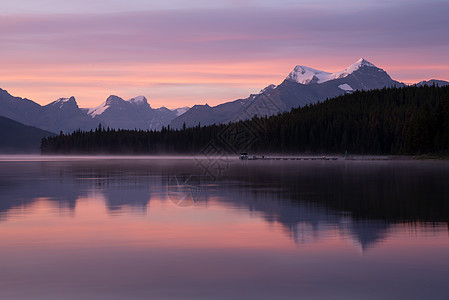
(19, 189)
(360, 200)
(369, 232)
(119, 197)
(305, 221)
(66, 183)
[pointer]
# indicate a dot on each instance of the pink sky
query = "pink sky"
(186, 56)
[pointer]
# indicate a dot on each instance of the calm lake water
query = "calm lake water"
(183, 228)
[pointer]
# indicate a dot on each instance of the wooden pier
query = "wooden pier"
(254, 157)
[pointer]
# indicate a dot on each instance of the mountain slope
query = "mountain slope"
(222, 113)
(19, 109)
(18, 138)
(302, 86)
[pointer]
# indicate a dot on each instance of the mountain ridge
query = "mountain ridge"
(301, 74)
(411, 120)
(302, 86)
(65, 115)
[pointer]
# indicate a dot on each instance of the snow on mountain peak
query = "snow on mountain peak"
(62, 101)
(363, 62)
(306, 75)
(116, 101)
(352, 68)
(138, 100)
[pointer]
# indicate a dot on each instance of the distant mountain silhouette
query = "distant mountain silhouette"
(18, 138)
(433, 82)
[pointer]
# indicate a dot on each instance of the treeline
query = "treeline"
(409, 120)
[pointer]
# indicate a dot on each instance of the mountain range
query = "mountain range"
(134, 113)
(65, 115)
(302, 86)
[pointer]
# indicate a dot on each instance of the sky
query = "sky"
(184, 52)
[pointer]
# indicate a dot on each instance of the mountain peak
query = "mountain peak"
(357, 65)
(139, 100)
(113, 99)
(306, 75)
(364, 62)
(63, 102)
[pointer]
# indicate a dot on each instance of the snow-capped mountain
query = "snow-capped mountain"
(302, 86)
(139, 100)
(362, 75)
(135, 113)
(65, 115)
(306, 75)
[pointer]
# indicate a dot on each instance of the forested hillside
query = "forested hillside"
(409, 120)
(18, 138)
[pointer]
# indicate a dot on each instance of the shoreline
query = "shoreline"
(299, 157)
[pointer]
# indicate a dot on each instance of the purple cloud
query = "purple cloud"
(393, 36)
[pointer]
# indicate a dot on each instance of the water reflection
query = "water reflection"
(361, 200)
(155, 229)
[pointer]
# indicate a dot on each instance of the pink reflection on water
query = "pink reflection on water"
(205, 251)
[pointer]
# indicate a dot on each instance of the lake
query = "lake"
(194, 228)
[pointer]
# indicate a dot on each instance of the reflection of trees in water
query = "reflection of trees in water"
(64, 183)
(305, 221)
(390, 191)
(22, 184)
(360, 199)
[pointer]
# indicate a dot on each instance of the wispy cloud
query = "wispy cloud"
(259, 42)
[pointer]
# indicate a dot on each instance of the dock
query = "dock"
(255, 157)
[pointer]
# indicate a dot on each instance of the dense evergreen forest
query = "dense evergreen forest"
(410, 120)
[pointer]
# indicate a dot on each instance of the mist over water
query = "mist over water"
(192, 228)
